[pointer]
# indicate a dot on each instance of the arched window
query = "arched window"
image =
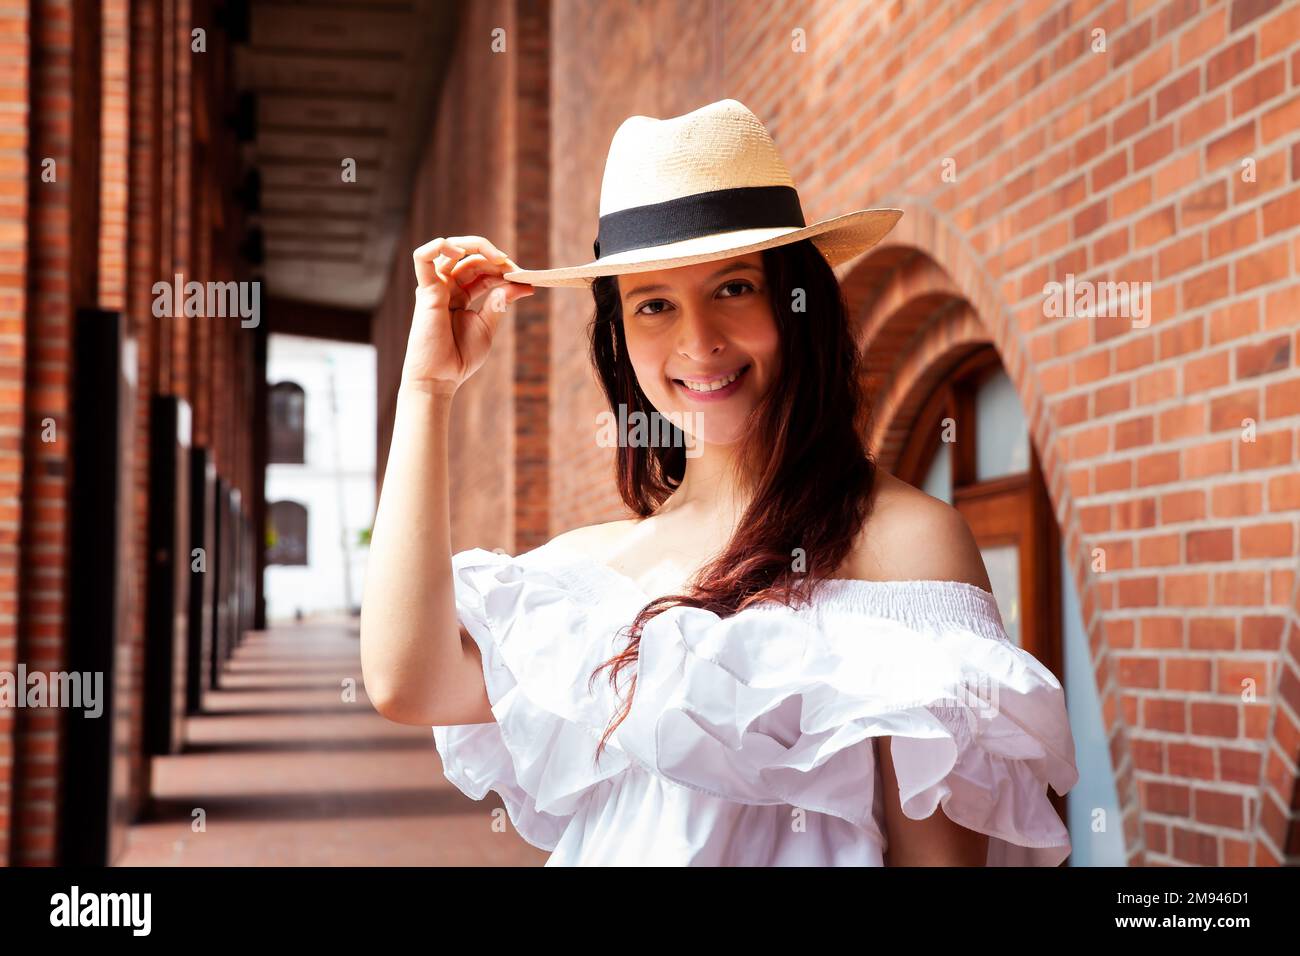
(286, 438)
(971, 448)
(286, 533)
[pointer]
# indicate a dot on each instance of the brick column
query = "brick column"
(532, 170)
(19, 169)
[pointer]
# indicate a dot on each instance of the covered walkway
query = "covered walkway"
(290, 765)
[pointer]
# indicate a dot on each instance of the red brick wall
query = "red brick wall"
(142, 131)
(114, 147)
(1123, 165)
(15, 181)
(42, 569)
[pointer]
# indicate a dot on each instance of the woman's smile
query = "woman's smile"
(713, 390)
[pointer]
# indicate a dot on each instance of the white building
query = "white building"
(330, 428)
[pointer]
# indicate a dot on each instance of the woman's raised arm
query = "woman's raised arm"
(418, 665)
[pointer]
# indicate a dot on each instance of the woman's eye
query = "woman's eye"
(737, 282)
(651, 302)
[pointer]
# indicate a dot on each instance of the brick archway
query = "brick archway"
(922, 302)
(924, 299)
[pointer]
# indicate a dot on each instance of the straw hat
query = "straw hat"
(705, 185)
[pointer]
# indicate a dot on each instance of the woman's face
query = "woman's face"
(702, 324)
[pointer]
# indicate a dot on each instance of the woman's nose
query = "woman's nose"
(698, 336)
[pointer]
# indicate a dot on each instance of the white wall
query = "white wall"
(339, 473)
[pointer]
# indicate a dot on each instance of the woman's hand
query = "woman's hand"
(459, 297)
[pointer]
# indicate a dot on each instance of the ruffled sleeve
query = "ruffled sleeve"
(776, 706)
(535, 637)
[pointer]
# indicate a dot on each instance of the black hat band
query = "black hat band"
(687, 217)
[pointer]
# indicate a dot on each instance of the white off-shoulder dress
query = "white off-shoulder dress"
(750, 737)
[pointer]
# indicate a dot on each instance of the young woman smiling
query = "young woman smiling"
(784, 655)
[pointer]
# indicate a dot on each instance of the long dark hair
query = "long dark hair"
(803, 462)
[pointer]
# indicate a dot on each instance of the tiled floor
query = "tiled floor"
(284, 768)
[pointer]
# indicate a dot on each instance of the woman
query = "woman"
(772, 661)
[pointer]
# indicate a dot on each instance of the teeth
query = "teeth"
(714, 385)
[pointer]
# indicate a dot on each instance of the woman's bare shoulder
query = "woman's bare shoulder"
(912, 536)
(594, 540)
